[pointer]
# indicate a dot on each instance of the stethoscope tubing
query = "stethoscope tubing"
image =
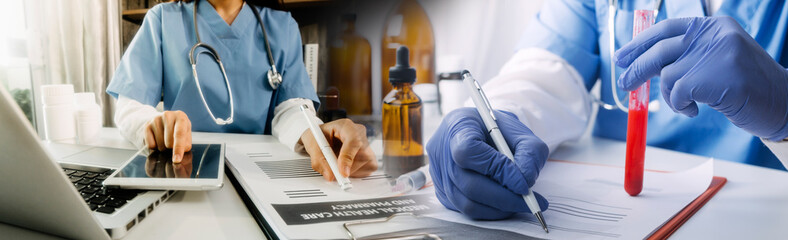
(274, 78)
(611, 23)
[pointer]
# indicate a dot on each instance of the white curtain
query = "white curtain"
(75, 42)
(484, 34)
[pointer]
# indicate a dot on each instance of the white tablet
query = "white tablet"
(201, 169)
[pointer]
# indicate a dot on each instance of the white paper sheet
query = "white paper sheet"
(586, 201)
(589, 202)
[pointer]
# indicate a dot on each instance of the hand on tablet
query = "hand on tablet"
(159, 165)
(349, 141)
(171, 130)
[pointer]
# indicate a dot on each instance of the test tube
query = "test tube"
(412, 181)
(638, 119)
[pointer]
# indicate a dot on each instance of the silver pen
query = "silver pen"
(486, 111)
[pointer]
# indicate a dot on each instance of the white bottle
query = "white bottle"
(59, 112)
(88, 117)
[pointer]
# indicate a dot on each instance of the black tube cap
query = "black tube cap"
(402, 72)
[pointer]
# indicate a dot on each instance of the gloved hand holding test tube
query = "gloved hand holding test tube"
(638, 119)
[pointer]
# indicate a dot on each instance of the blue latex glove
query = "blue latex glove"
(472, 177)
(714, 61)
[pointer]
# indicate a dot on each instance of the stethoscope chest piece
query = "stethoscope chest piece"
(274, 78)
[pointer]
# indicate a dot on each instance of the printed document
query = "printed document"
(586, 201)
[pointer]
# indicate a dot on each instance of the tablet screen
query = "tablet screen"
(201, 162)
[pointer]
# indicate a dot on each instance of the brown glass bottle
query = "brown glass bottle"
(351, 70)
(402, 146)
(408, 25)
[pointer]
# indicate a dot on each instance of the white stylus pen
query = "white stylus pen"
(343, 182)
(486, 111)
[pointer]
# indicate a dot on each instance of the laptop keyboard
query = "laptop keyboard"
(99, 198)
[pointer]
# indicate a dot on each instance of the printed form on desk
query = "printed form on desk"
(586, 201)
(298, 203)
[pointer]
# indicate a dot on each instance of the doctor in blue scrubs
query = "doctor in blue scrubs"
(156, 67)
(718, 81)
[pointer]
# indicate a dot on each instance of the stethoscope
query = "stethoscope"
(611, 29)
(274, 78)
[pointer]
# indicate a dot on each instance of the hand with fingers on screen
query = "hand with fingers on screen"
(170, 130)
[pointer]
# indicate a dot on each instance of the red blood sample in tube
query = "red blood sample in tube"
(637, 122)
(636, 144)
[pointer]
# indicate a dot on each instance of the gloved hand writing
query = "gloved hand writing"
(472, 177)
(714, 61)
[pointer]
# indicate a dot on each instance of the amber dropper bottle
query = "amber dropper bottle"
(402, 147)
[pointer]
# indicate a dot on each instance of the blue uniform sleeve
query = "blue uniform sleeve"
(295, 80)
(567, 28)
(139, 74)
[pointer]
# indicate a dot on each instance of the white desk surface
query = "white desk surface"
(217, 214)
(752, 205)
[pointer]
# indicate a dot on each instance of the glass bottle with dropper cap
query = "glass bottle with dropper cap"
(402, 146)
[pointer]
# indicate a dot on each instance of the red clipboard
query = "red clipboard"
(669, 227)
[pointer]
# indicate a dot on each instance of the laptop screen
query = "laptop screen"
(201, 162)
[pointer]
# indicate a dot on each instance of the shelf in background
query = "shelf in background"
(302, 3)
(134, 15)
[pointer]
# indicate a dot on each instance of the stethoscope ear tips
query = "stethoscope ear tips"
(220, 121)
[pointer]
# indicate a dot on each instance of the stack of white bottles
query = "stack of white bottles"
(69, 116)
(88, 116)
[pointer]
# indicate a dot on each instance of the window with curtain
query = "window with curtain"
(58, 42)
(14, 61)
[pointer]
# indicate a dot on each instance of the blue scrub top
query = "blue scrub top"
(578, 32)
(156, 66)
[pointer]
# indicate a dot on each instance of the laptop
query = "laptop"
(64, 199)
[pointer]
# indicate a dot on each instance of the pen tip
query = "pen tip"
(345, 186)
(541, 221)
